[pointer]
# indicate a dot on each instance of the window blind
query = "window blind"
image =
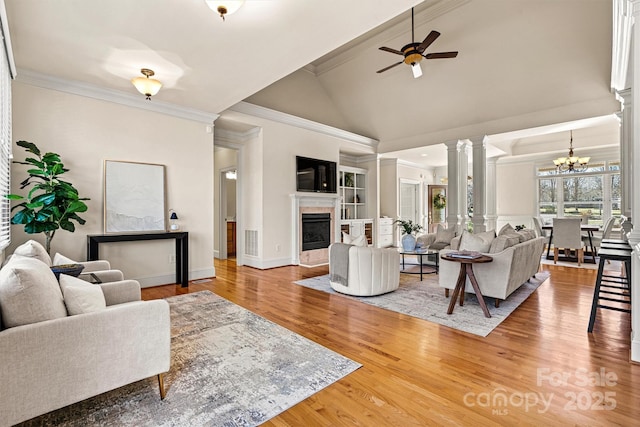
(7, 71)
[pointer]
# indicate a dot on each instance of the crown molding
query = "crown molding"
(356, 159)
(232, 139)
(288, 119)
(114, 96)
(413, 165)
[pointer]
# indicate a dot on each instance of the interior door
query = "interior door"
(409, 202)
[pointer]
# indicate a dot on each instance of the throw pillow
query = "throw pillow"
(506, 229)
(29, 293)
(480, 242)
(33, 249)
(361, 240)
(444, 235)
(528, 234)
(59, 259)
(81, 297)
(500, 243)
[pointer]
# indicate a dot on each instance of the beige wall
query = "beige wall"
(85, 132)
(389, 188)
(300, 94)
(516, 190)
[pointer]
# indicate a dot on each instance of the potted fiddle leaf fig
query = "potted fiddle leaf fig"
(51, 203)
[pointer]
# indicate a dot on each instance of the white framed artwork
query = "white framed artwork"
(134, 197)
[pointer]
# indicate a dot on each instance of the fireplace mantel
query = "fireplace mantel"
(306, 202)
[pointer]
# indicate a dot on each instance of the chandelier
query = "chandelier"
(571, 163)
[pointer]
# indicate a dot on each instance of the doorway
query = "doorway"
(409, 200)
(437, 206)
(227, 245)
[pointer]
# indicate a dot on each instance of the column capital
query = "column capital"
(478, 140)
(624, 96)
(452, 145)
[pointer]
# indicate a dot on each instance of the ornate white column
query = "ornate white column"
(479, 184)
(452, 183)
(463, 173)
(626, 150)
(634, 235)
(491, 214)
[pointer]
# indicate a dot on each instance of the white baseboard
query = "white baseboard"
(265, 264)
(149, 281)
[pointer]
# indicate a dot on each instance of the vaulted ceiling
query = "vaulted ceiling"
(521, 64)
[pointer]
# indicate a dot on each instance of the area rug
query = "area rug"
(229, 367)
(425, 300)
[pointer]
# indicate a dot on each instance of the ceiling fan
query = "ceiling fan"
(414, 52)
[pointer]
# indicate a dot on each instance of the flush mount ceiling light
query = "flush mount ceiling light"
(571, 163)
(146, 85)
(224, 7)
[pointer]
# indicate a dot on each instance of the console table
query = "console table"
(182, 248)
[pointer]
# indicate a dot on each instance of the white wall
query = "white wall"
(516, 190)
(85, 132)
(267, 178)
(389, 188)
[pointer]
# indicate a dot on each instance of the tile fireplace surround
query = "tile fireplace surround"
(312, 203)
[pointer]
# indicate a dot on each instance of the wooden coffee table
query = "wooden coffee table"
(466, 269)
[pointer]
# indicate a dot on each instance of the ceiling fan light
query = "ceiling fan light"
(224, 7)
(417, 71)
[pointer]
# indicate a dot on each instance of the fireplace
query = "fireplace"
(316, 231)
(314, 226)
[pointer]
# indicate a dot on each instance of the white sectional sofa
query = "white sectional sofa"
(511, 267)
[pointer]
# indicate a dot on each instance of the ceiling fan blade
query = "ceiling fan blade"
(388, 49)
(390, 66)
(440, 55)
(433, 35)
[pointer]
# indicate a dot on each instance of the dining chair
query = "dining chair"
(606, 234)
(566, 235)
(537, 224)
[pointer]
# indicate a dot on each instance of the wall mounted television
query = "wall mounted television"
(314, 175)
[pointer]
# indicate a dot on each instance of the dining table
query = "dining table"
(588, 228)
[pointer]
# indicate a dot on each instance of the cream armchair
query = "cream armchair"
(370, 271)
(99, 271)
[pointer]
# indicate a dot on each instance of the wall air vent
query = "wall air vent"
(251, 242)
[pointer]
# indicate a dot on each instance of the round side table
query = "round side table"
(466, 269)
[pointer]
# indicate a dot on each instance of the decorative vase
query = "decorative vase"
(408, 242)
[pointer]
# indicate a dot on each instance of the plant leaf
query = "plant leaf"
(29, 146)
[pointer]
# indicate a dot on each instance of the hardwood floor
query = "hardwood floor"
(539, 367)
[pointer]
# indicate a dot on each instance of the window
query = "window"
(7, 71)
(593, 195)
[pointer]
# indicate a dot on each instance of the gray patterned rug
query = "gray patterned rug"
(229, 367)
(425, 300)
